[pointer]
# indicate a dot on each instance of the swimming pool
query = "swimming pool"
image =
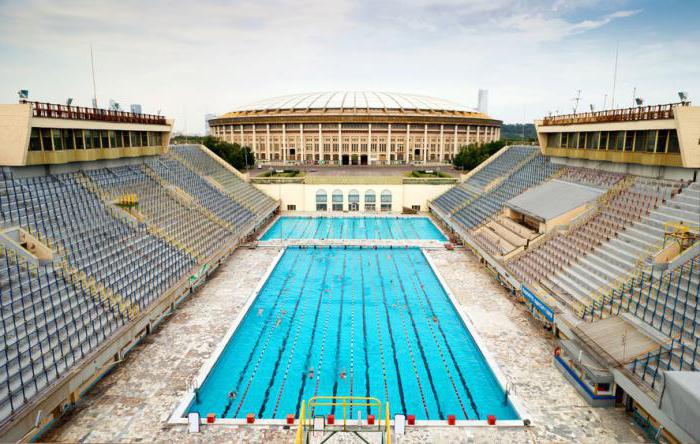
(293, 227)
(358, 322)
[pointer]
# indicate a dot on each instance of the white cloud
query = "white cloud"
(191, 58)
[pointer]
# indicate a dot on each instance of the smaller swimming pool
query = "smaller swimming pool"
(400, 228)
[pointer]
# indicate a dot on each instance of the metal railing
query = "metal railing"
(55, 111)
(653, 112)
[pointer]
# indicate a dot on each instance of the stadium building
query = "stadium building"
(355, 128)
(151, 292)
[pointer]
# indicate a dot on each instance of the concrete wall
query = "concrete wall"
(14, 133)
(304, 195)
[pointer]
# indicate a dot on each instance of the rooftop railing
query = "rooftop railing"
(55, 111)
(653, 112)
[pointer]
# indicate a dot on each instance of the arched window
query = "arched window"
(337, 200)
(321, 200)
(386, 200)
(370, 200)
(354, 200)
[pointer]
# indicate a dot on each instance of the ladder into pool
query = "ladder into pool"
(320, 429)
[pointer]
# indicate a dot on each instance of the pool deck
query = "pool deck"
(135, 401)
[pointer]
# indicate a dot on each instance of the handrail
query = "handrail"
(652, 112)
(56, 111)
(302, 422)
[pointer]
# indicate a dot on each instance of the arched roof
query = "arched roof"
(354, 100)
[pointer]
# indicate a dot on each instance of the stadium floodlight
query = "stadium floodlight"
(23, 94)
(69, 101)
(683, 96)
(592, 106)
(639, 101)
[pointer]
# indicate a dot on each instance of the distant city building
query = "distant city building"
(483, 101)
(355, 127)
(136, 108)
(207, 127)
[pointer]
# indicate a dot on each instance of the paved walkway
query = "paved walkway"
(134, 401)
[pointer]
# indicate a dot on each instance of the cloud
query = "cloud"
(192, 58)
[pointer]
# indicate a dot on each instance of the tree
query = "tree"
(471, 155)
(239, 157)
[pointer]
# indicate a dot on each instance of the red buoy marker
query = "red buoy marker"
(411, 419)
(250, 418)
(331, 419)
(211, 417)
(290, 418)
(370, 419)
(451, 419)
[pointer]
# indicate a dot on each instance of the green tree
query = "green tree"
(471, 155)
(239, 157)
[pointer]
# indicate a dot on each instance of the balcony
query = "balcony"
(55, 111)
(654, 112)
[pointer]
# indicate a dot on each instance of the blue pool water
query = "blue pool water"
(353, 228)
(369, 322)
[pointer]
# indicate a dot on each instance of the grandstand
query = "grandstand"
(99, 244)
(120, 239)
(624, 266)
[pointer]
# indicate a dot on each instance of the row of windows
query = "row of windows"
(646, 141)
(395, 128)
(60, 139)
(353, 200)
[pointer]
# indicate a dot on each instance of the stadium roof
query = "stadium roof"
(354, 99)
(551, 199)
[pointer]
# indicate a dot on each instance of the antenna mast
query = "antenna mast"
(612, 99)
(576, 100)
(94, 87)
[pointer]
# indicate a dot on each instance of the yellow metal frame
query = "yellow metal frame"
(344, 402)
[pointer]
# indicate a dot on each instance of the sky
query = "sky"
(191, 58)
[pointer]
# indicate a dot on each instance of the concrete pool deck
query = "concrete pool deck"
(134, 402)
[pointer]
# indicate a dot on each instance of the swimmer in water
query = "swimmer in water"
(260, 311)
(311, 372)
(231, 395)
(342, 374)
(278, 322)
(435, 319)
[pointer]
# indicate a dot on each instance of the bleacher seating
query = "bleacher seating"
(628, 205)
(108, 263)
(588, 176)
(174, 172)
(205, 165)
(623, 245)
(532, 173)
(502, 165)
(666, 301)
(179, 223)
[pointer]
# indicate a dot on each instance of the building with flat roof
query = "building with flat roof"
(355, 128)
(34, 133)
(666, 137)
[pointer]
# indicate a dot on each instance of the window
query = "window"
(661, 141)
(629, 140)
(415, 207)
(35, 140)
(291, 207)
(96, 139)
(673, 146)
(79, 141)
(68, 143)
(337, 200)
(640, 140)
(321, 200)
(554, 140)
(46, 139)
(112, 138)
(370, 200)
(135, 139)
(386, 200)
(353, 200)
(57, 139)
(144, 138)
(104, 138)
(118, 138)
(88, 139)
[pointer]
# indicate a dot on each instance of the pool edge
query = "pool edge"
(178, 414)
(524, 418)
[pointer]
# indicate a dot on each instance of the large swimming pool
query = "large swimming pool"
(420, 228)
(352, 321)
